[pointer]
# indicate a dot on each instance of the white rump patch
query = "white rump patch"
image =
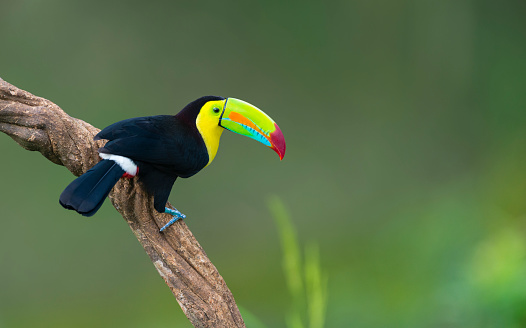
(124, 162)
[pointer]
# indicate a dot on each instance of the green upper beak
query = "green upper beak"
(243, 118)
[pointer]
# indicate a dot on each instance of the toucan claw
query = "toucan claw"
(176, 216)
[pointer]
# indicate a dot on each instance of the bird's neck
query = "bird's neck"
(211, 133)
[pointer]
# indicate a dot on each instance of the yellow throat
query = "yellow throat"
(207, 123)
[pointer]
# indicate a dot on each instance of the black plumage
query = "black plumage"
(87, 193)
(163, 147)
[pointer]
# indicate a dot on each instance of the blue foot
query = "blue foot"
(176, 216)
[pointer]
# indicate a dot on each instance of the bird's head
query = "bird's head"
(214, 114)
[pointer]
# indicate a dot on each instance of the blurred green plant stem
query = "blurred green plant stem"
(306, 282)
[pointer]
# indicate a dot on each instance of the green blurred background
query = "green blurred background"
(405, 124)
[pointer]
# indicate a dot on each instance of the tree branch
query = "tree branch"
(38, 124)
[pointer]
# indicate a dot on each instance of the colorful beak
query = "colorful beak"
(248, 120)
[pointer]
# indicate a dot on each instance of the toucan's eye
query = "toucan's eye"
(216, 110)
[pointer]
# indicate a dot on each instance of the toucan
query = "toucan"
(159, 149)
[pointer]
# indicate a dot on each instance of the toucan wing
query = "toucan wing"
(138, 126)
(160, 140)
(143, 139)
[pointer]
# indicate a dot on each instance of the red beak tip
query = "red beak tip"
(278, 142)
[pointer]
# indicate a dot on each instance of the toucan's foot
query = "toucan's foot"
(176, 216)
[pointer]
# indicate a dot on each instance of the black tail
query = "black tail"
(87, 193)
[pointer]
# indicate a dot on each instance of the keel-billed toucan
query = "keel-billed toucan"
(158, 149)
